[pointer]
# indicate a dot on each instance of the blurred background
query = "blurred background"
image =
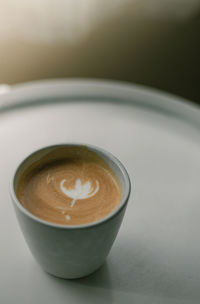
(150, 42)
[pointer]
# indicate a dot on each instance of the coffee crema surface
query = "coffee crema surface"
(70, 186)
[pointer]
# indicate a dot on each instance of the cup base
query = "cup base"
(73, 277)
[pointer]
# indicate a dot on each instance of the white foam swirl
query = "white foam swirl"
(80, 191)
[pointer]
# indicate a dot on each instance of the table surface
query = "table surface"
(155, 258)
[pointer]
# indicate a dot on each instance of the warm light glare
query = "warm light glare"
(52, 20)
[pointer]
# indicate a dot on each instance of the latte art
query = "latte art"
(70, 187)
(80, 191)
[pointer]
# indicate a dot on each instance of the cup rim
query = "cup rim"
(93, 148)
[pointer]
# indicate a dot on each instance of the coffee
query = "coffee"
(70, 186)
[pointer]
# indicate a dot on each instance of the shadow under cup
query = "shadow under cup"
(70, 251)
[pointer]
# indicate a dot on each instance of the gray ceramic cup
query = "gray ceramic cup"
(70, 251)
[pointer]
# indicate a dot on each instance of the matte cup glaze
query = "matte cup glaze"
(70, 251)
